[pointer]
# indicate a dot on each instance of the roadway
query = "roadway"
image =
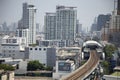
(86, 69)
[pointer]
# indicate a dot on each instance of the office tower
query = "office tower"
(78, 27)
(23, 23)
(25, 15)
(4, 25)
(37, 28)
(27, 24)
(101, 20)
(94, 25)
(65, 23)
(118, 7)
(50, 26)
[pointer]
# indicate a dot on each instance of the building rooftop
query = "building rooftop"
(64, 7)
(91, 42)
(117, 68)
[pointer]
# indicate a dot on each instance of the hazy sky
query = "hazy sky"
(87, 10)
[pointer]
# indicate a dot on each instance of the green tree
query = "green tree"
(6, 67)
(105, 65)
(48, 68)
(109, 50)
(34, 65)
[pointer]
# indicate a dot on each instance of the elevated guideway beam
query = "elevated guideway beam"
(85, 70)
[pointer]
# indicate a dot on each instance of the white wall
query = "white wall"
(109, 77)
(40, 55)
(22, 67)
(12, 51)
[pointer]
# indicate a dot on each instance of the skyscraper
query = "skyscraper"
(62, 24)
(66, 23)
(25, 15)
(31, 24)
(118, 7)
(78, 27)
(101, 20)
(23, 23)
(94, 25)
(50, 26)
(27, 25)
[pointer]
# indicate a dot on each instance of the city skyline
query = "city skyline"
(86, 11)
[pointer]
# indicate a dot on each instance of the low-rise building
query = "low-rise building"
(45, 55)
(63, 67)
(13, 47)
(6, 75)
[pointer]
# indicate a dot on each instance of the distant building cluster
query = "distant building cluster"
(108, 26)
(27, 25)
(58, 46)
(23, 42)
(5, 29)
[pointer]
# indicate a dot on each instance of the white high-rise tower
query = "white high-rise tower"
(31, 24)
(66, 23)
(27, 25)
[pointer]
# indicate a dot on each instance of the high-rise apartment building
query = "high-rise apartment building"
(62, 24)
(50, 26)
(66, 23)
(31, 24)
(27, 25)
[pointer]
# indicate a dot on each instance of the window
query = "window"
(35, 48)
(14, 41)
(9, 51)
(40, 49)
(23, 40)
(4, 51)
(9, 55)
(30, 48)
(44, 49)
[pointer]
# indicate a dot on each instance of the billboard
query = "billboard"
(64, 66)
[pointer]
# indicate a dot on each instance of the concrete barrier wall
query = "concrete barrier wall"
(109, 77)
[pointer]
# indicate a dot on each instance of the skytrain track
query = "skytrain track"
(86, 69)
